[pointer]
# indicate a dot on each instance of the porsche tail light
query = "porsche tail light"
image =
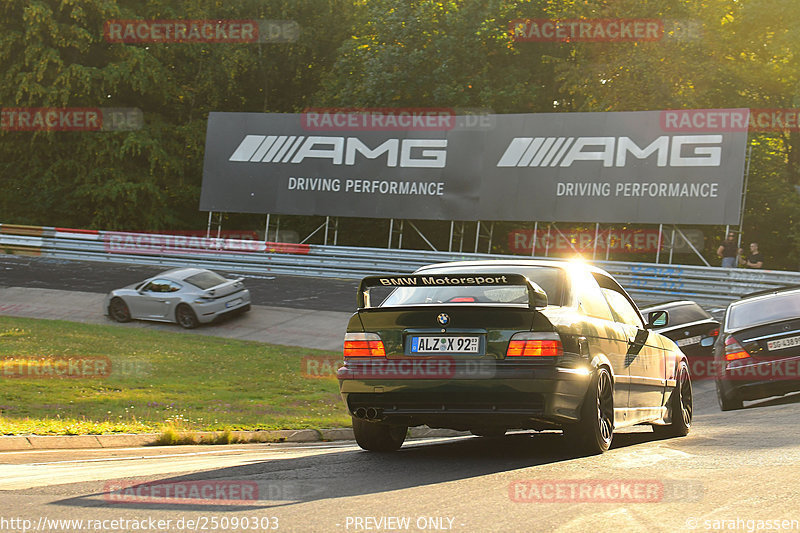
(535, 345)
(734, 350)
(363, 345)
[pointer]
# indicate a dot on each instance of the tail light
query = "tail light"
(713, 332)
(734, 350)
(535, 345)
(363, 345)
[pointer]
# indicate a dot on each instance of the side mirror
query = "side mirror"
(707, 341)
(657, 319)
(537, 298)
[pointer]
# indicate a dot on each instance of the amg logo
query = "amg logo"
(419, 153)
(674, 151)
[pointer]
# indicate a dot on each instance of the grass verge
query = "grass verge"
(67, 378)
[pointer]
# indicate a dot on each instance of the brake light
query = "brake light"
(363, 345)
(734, 350)
(535, 345)
(714, 332)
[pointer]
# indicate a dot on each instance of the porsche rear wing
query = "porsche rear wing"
(536, 295)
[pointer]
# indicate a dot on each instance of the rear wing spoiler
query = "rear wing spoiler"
(536, 295)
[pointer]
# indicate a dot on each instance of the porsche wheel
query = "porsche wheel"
(118, 310)
(186, 317)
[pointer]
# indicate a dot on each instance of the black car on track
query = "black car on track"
(488, 346)
(758, 353)
(692, 328)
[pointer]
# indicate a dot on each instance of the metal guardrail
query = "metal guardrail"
(646, 282)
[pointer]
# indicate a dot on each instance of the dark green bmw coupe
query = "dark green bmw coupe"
(488, 346)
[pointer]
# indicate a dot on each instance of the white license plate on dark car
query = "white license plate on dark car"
(688, 341)
(445, 344)
(788, 342)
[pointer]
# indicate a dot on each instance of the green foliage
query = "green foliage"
(375, 53)
(53, 54)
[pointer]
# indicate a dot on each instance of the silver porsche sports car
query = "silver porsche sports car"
(188, 296)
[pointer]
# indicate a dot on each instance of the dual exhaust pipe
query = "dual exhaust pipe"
(368, 413)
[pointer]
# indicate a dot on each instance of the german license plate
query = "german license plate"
(446, 344)
(237, 301)
(688, 341)
(788, 342)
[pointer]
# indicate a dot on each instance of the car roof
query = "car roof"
(670, 303)
(500, 263)
(181, 273)
(775, 290)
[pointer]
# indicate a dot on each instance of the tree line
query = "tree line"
(369, 53)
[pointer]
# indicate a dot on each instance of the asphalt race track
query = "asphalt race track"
(736, 471)
(320, 294)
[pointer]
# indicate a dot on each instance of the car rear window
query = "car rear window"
(763, 310)
(683, 314)
(205, 280)
(550, 279)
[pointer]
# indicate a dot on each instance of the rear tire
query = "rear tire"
(593, 433)
(728, 401)
(681, 407)
(185, 317)
(118, 310)
(378, 437)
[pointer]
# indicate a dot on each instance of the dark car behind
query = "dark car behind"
(758, 353)
(692, 328)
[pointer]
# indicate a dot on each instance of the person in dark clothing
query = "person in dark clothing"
(728, 251)
(755, 259)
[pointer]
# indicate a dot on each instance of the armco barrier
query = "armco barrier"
(647, 282)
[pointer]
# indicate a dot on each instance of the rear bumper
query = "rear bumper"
(762, 379)
(228, 305)
(529, 398)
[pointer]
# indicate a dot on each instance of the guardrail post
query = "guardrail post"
(658, 246)
(450, 242)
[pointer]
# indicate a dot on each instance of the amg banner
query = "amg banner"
(674, 167)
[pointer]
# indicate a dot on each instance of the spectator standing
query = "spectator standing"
(755, 259)
(728, 251)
